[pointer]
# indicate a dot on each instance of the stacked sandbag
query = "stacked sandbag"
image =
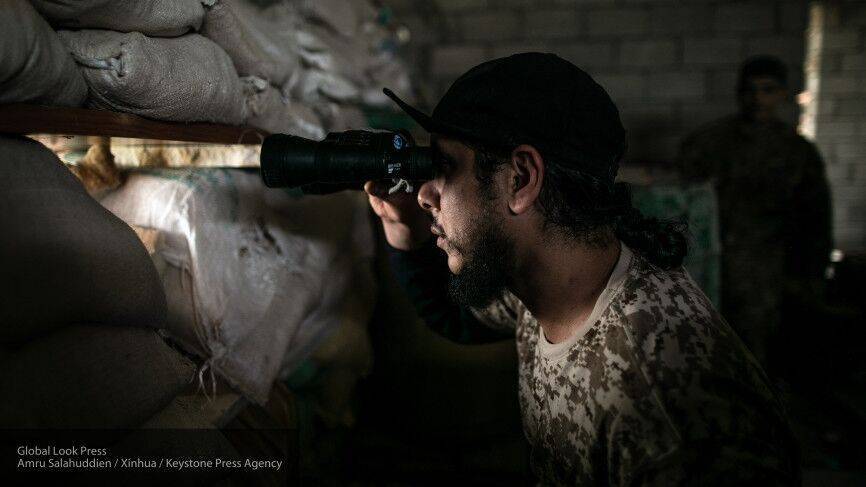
(256, 278)
(347, 52)
(65, 258)
(91, 376)
(267, 63)
(159, 18)
(271, 110)
(34, 65)
(245, 34)
(186, 78)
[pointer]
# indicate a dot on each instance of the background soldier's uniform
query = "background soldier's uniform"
(655, 389)
(774, 213)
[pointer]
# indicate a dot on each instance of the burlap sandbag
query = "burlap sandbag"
(251, 40)
(270, 110)
(34, 65)
(64, 258)
(162, 18)
(184, 79)
(90, 376)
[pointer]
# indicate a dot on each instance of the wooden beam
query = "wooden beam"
(35, 119)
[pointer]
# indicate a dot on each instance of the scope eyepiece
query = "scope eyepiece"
(343, 160)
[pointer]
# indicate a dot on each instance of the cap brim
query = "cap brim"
(425, 121)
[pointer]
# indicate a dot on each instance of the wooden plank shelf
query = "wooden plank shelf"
(35, 119)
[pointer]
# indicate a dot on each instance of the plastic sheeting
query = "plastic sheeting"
(268, 274)
(34, 64)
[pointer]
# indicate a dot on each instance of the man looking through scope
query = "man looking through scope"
(627, 374)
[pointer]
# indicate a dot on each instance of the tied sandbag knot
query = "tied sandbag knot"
(114, 63)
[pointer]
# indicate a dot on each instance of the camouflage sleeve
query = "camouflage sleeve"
(811, 216)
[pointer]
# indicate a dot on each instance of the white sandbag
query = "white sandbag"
(183, 79)
(64, 258)
(268, 271)
(88, 376)
(34, 65)
(272, 111)
(247, 35)
(161, 18)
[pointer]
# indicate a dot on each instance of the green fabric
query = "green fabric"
(696, 205)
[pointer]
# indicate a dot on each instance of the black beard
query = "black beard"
(486, 270)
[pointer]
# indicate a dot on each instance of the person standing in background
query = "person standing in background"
(774, 205)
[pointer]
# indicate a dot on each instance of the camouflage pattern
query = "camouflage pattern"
(774, 217)
(657, 391)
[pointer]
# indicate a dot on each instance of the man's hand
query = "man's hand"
(406, 225)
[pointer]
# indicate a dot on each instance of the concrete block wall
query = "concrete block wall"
(670, 65)
(836, 116)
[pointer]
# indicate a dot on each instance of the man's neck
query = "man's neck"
(560, 283)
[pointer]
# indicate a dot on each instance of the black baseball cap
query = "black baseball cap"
(532, 98)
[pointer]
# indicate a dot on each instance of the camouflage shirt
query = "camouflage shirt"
(655, 389)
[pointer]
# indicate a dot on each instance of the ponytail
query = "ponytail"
(662, 242)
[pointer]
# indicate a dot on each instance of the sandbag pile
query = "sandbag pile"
(82, 303)
(34, 65)
(157, 18)
(347, 52)
(182, 79)
(255, 278)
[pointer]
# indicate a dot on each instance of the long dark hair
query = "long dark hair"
(589, 210)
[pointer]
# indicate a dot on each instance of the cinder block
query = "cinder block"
(674, 18)
(848, 107)
(837, 128)
(560, 23)
(648, 53)
(839, 84)
(857, 213)
(695, 115)
(754, 16)
(677, 85)
(850, 150)
(710, 51)
(455, 60)
(794, 16)
(618, 22)
(451, 6)
(854, 62)
(790, 49)
(589, 55)
(507, 49)
(622, 86)
(500, 25)
(723, 85)
(842, 40)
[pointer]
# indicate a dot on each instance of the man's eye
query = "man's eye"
(442, 164)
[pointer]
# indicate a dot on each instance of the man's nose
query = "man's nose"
(428, 196)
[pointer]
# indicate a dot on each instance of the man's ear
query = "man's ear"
(527, 173)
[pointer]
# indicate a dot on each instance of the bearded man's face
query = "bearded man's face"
(467, 226)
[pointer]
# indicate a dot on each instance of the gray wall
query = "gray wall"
(836, 116)
(670, 65)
